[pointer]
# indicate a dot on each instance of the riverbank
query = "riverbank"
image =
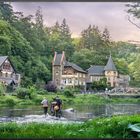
(112, 127)
(96, 99)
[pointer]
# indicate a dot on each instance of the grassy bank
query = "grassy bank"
(114, 127)
(9, 100)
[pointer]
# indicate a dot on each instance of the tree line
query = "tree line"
(31, 45)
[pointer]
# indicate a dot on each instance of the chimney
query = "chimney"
(54, 57)
(63, 56)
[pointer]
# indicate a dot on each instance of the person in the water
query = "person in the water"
(45, 105)
(56, 106)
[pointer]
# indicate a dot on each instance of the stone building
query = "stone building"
(65, 73)
(8, 75)
(69, 74)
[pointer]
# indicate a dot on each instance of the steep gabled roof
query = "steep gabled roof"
(96, 70)
(110, 65)
(57, 60)
(2, 59)
(74, 66)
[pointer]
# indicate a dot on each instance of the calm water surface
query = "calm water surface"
(80, 113)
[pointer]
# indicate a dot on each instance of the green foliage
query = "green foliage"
(22, 93)
(10, 102)
(113, 127)
(2, 89)
(68, 92)
(100, 85)
(32, 92)
(31, 45)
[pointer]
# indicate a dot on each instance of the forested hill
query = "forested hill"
(31, 46)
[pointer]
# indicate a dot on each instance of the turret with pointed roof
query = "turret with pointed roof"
(110, 65)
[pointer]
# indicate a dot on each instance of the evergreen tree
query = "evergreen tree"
(106, 35)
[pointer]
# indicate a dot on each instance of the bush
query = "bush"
(22, 93)
(68, 93)
(32, 92)
(100, 85)
(10, 102)
(2, 89)
(51, 87)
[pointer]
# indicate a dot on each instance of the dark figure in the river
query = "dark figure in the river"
(56, 107)
(45, 105)
(59, 104)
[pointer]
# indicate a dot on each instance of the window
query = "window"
(64, 81)
(6, 66)
(56, 73)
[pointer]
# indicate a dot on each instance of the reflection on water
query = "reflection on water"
(80, 112)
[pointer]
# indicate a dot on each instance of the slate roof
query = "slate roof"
(58, 59)
(110, 65)
(74, 66)
(2, 59)
(7, 80)
(96, 70)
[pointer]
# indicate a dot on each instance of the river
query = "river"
(77, 113)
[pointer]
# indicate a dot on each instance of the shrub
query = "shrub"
(51, 87)
(10, 102)
(32, 92)
(2, 89)
(22, 92)
(68, 93)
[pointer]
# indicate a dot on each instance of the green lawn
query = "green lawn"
(97, 99)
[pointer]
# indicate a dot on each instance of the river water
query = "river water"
(78, 113)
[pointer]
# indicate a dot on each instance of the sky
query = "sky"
(79, 15)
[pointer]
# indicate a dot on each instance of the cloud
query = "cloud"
(80, 14)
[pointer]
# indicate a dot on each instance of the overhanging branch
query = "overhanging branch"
(133, 22)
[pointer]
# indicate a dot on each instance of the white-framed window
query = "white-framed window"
(83, 83)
